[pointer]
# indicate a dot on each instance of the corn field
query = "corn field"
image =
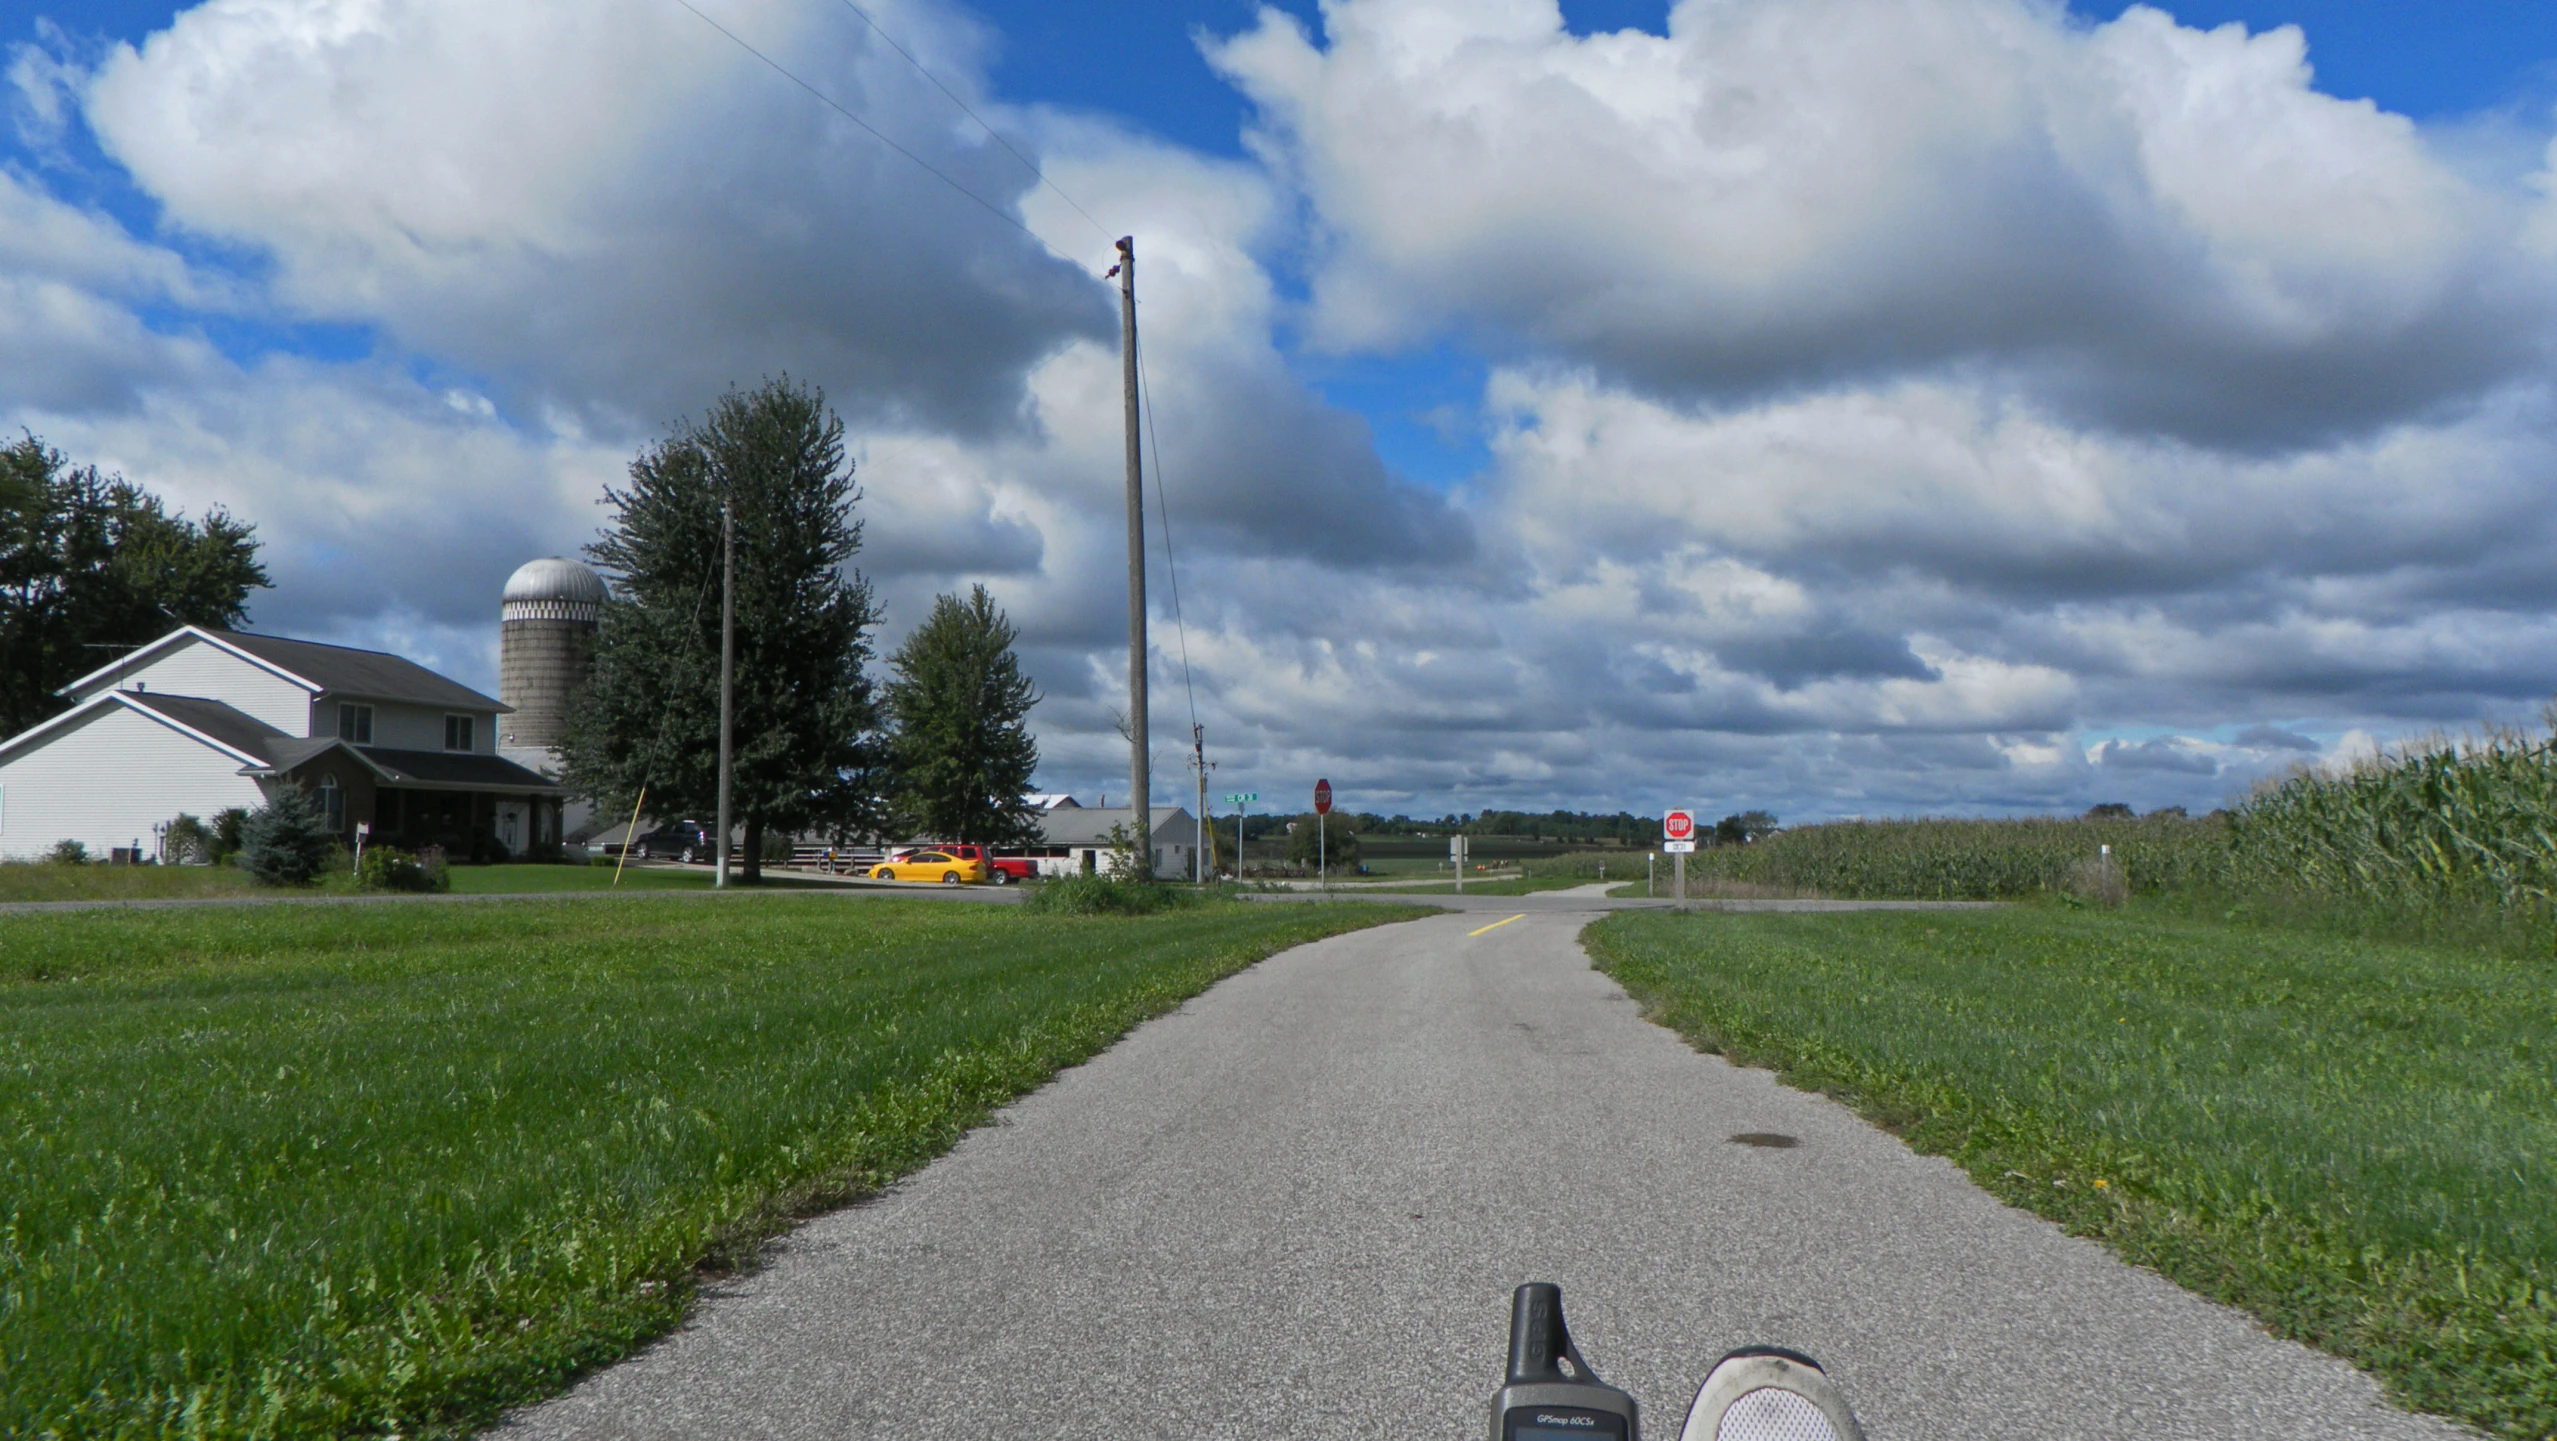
(2444, 824)
(1971, 860)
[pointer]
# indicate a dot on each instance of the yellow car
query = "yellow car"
(940, 866)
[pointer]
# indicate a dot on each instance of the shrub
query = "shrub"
(388, 868)
(1099, 895)
(68, 853)
(287, 841)
(189, 842)
(228, 826)
(1338, 841)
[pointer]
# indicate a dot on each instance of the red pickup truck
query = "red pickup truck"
(1002, 870)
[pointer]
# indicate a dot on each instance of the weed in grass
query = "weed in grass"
(2354, 1140)
(307, 1170)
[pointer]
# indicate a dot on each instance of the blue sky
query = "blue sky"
(2079, 441)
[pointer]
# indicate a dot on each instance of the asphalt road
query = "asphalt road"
(1296, 1209)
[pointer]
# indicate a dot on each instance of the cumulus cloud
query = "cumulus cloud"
(609, 207)
(2155, 227)
(1934, 405)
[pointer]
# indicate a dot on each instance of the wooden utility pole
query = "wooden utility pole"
(1140, 784)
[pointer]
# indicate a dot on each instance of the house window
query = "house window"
(457, 732)
(355, 723)
(333, 802)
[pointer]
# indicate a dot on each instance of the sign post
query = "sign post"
(1456, 853)
(1679, 830)
(1322, 808)
(1242, 802)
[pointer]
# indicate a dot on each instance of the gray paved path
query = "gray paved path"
(1296, 1207)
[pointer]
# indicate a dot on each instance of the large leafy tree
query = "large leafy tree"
(648, 714)
(961, 752)
(91, 565)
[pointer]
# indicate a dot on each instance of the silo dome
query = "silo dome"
(553, 588)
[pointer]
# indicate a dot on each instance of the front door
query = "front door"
(511, 820)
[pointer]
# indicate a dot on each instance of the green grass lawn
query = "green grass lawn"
(339, 1171)
(23, 881)
(514, 880)
(2356, 1141)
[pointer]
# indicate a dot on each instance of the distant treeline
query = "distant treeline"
(1622, 828)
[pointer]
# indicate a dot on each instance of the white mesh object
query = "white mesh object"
(1770, 1414)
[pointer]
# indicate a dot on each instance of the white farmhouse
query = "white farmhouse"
(201, 720)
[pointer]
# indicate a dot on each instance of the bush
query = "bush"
(1339, 842)
(1104, 896)
(287, 841)
(68, 853)
(228, 826)
(388, 868)
(188, 842)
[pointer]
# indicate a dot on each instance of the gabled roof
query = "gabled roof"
(1090, 825)
(223, 725)
(369, 674)
(344, 670)
(242, 737)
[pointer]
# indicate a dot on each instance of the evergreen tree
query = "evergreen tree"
(649, 712)
(92, 564)
(287, 840)
(961, 752)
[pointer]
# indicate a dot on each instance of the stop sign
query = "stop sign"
(1679, 825)
(1322, 798)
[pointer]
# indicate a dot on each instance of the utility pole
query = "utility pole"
(1199, 760)
(727, 674)
(1140, 784)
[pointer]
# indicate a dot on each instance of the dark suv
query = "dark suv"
(685, 841)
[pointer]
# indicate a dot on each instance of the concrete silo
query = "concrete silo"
(546, 641)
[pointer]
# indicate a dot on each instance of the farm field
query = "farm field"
(2354, 1140)
(317, 1170)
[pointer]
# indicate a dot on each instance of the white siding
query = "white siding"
(405, 727)
(106, 781)
(195, 668)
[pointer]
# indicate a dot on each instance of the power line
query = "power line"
(1031, 165)
(830, 103)
(1163, 510)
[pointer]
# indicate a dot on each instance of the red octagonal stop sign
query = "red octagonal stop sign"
(1322, 798)
(1678, 825)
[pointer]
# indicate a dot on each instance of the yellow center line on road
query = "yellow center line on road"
(1496, 925)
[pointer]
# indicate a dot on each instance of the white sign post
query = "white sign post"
(1242, 803)
(1456, 853)
(1680, 829)
(1322, 835)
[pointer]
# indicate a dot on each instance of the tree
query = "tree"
(92, 565)
(1745, 829)
(960, 750)
(287, 840)
(2110, 811)
(648, 714)
(1337, 838)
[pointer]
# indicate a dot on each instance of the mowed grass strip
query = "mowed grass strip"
(2354, 1141)
(334, 1171)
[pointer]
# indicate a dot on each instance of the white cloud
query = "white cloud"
(1933, 405)
(2129, 218)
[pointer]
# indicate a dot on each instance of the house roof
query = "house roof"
(1090, 825)
(456, 769)
(222, 724)
(344, 670)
